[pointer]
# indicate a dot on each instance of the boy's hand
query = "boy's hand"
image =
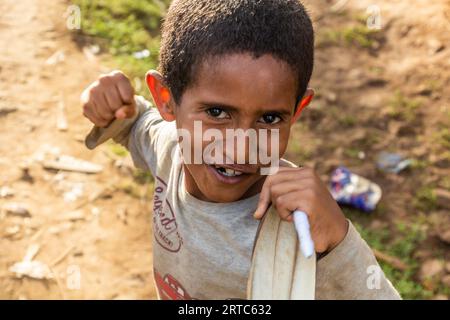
(110, 97)
(300, 188)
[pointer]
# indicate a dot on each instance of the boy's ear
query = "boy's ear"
(161, 94)
(303, 103)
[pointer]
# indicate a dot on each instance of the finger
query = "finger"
(301, 170)
(88, 112)
(286, 204)
(285, 174)
(264, 200)
(126, 111)
(113, 99)
(101, 106)
(124, 88)
(289, 186)
(289, 175)
(265, 195)
(100, 121)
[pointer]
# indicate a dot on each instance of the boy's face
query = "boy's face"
(235, 91)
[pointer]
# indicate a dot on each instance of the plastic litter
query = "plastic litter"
(351, 189)
(141, 54)
(392, 162)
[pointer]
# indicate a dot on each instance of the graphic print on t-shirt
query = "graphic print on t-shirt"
(169, 288)
(165, 227)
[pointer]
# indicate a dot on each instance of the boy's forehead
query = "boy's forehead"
(242, 79)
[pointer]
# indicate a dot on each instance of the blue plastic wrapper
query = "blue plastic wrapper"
(392, 162)
(351, 189)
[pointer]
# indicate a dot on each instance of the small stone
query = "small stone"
(73, 215)
(55, 58)
(11, 231)
(424, 90)
(76, 191)
(78, 253)
(32, 269)
(435, 46)
(26, 175)
(16, 209)
(330, 96)
(6, 192)
(6, 110)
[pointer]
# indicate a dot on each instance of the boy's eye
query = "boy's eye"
(270, 119)
(217, 113)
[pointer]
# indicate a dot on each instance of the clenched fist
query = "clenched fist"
(110, 97)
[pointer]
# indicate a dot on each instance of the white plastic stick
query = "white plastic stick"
(304, 235)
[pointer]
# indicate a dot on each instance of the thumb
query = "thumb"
(263, 203)
(125, 111)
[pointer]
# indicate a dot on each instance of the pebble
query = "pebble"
(16, 209)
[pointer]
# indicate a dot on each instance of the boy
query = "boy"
(228, 64)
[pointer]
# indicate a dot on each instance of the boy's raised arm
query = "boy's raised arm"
(118, 114)
(119, 129)
(110, 104)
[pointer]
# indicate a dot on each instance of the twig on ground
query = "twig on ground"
(393, 261)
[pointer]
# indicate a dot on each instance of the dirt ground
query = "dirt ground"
(109, 243)
(106, 243)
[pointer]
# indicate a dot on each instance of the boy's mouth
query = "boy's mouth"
(228, 174)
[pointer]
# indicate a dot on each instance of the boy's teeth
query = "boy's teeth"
(228, 172)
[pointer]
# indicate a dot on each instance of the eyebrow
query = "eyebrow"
(236, 109)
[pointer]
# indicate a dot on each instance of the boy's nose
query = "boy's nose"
(246, 146)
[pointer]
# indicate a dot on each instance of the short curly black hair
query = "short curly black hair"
(194, 30)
